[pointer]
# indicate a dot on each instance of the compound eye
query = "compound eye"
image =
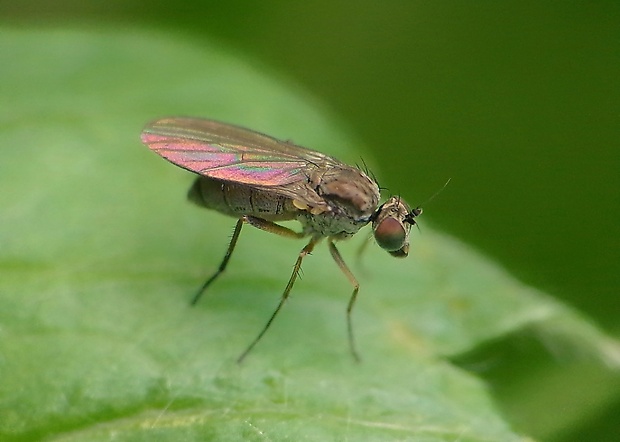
(391, 236)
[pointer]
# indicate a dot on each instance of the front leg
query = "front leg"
(356, 286)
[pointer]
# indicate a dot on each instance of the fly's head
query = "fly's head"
(391, 224)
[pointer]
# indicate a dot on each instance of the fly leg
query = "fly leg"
(356, 286)
(272, 227)
(256, 222)
(231, 247)
(280, 230)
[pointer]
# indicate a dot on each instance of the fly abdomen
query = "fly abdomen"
(238, 199)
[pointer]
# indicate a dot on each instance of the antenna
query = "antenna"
(432, 197)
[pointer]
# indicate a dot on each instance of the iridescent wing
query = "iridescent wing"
(231, 153)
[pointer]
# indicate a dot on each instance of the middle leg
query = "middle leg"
(302, 254)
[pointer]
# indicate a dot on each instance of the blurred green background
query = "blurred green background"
(517, 101)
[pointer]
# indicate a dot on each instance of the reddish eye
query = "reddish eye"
(390, 235)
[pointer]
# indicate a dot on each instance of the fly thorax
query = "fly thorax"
(351, 198)
(329, 224)
(350, 191)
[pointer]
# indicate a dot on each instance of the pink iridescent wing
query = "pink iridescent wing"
(231, 153)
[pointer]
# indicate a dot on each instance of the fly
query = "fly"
(261, 180)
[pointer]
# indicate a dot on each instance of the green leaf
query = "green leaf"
(101, 254)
